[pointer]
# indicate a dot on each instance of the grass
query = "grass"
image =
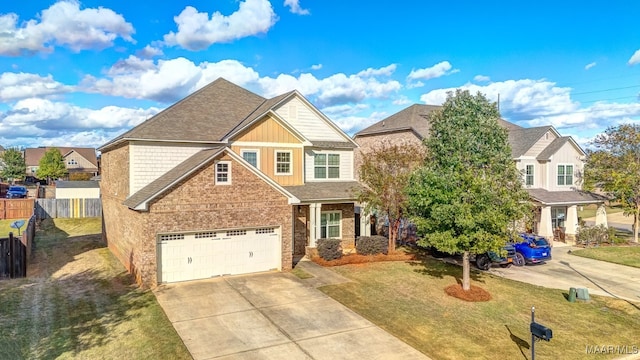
(408, 300)
(624, 255)
(79, 302)
(5, 229)
(301, 274)
(589, 211)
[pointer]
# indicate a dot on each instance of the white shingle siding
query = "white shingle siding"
(346, 164)
(149, 161)
(307, 122)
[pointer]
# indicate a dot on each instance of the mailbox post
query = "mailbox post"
(538, 331)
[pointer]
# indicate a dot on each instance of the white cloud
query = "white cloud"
(316, 67)
(352, 124)
(383, 71)
(295, 8)
(402, 100)
(149, 52)
(635, 58)
(438, 70)
(590, 65)
(481, 78)
(63, 24)
(196, 31)
(14, 86)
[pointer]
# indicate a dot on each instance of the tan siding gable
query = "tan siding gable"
(307, 121)
(266, 162)
(541, 144)
(267, 130)
(74, 160)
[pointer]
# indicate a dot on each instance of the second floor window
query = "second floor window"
(251, 156)
(223, 173)
(283, 162)
(326, 166)
(565, 174)
(528, 176)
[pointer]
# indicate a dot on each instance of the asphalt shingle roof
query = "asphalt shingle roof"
(565, 197)
(521, 140)
(327, 191)
(32, 156)
(89, 184)
(552, 148)
(414, 117)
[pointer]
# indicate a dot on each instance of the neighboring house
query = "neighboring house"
(551, 165)
(226, 182)
(77, 189)
(76, 159)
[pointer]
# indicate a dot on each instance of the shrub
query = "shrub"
(329, 249)
(372, 245)
(594, 235)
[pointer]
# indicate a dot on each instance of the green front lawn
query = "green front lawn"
(408, 300)
(78, 302)
(589, 211)
(624, 255)
(5, 229)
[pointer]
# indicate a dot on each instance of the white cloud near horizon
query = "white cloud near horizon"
(590, 65)
(481, 78)
(438, 70)
(63, 24)
(294, 7)
(635, 58)
(198, 31)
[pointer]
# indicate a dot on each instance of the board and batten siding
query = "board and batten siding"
(266, 161)
(566, 155)
(268, 130)
(307, 121)
(346, 164)
(149, 161)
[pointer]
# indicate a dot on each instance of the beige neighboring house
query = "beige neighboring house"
(226, 182)
(77, 189)
(76, 159)
(551, 166)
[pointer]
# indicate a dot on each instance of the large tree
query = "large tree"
(385, 172)
(13, 165)
(468, 194)
(614, 167)
(51, 165)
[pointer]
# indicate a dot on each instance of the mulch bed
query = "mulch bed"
(362, 259)
(475, 294)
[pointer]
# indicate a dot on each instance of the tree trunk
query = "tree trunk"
(635, 223)
(466, 282)
(393, 235)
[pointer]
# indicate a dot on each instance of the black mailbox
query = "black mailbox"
(541, 331)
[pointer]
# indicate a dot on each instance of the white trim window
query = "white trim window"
(223, 173)
(326, 166)
(331, 224)
(528, 175)
(252, 157)
(565, 175)
(283, 160)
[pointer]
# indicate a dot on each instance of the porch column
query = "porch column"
(544, 227)
(601, 216)
(314, 223)
(571, 223)
(365, 221)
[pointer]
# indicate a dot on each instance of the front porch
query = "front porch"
(322, 220)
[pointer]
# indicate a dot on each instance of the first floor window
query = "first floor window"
(558, 217)
(565, 174)
(330, 224)
(223, 173)
(283, 162)
(326, 166)
(528, 175)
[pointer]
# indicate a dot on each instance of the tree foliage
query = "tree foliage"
(13, 165)
(385, 173)
(468, 194)
(614, 167)
(51, 165)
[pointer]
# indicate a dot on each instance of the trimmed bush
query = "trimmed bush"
(329, 249)
(372, 245)
(595, 235)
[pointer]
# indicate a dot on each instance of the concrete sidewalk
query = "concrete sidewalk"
(273, 316)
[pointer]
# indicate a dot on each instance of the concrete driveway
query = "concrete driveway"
(565, 271)
(272, 316)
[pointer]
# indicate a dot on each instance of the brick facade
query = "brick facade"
(196, 204)
(348, 223)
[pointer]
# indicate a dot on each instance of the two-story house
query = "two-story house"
(226, 182)
(76, 159)
(551, 165)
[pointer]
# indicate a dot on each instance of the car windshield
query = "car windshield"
(15, 188)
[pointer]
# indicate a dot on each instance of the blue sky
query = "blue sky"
(80, 73)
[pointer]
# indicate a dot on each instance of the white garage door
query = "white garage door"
(192, 256)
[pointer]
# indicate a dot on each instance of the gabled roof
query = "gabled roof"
(565, 197)
(140, 200)
(32, 156)
(558, 143)
(258, 113)
(412, 118)
(521, 140)
(206, 115)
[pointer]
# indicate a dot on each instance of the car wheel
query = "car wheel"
(518, 260)
(483, 262)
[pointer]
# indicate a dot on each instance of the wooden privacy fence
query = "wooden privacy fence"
(15, 252)
(16, 208)
(68, 208)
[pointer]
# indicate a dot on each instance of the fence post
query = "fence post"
(12, 259)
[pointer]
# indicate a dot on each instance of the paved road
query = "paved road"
(272, 316)
(565, 271)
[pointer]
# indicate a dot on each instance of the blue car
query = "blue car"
(16, 192)
(531, 249)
